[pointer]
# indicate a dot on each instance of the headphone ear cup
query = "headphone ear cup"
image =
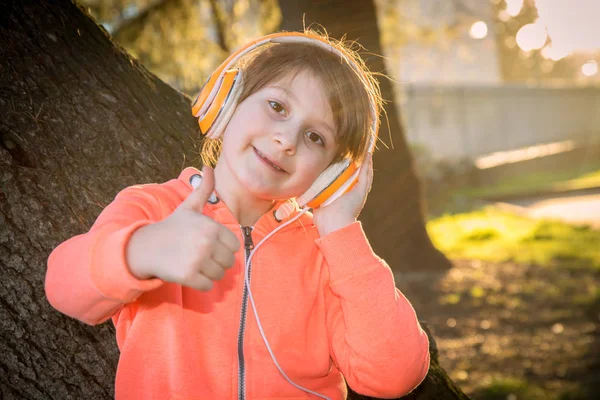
(221, 99)
(229, 106)
(330, 184)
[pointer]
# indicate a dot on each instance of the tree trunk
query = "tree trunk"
(80, 121)
(394, 213)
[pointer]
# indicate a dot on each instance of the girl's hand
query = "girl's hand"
(187, 247)
(345, 210)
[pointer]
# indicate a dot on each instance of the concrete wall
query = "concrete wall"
(455, 122)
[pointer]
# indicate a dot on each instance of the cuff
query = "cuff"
(110, 271)
(348, 252)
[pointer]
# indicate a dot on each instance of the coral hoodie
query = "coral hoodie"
(328, 307)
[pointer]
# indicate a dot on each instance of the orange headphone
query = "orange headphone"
(216, 103)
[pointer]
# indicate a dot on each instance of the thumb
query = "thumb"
(199, 196)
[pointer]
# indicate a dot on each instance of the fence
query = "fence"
(472, 121)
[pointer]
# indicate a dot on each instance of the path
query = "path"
(579, 208)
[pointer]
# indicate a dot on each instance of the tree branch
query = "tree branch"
(139, 18)
(219, 25)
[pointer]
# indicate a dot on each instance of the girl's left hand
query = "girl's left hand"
(345, 210)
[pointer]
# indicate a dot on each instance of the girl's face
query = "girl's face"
(280, 138)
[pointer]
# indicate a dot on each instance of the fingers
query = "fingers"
(198, 198)
(369, 172)
(229, 240)
(224, 257)
(365, 177)
(200, 282)
(216, 254)
(213, 270)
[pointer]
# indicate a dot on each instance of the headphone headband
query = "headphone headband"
(204, 100)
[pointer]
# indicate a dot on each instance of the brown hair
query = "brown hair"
(349, 92)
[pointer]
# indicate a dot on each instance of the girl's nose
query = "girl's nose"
(286, 141)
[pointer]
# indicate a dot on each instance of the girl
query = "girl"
(233, 290)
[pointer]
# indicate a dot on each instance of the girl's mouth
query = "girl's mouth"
(268, 162)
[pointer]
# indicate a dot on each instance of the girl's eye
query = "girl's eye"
(277, 107)
(315, 138)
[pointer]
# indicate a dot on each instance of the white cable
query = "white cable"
(247, 282)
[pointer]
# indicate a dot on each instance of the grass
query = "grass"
(534, 301)
(494, 235)
(507, 388)
(587, 180)
(513, 388)
(461, 197)
(581, 177)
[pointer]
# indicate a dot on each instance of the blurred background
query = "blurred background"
(479, 85)
(499, 101)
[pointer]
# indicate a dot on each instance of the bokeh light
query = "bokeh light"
(590, 68)
(554, 53)
(532, 37)
(571, 25)
(479, 30)
(513, 7)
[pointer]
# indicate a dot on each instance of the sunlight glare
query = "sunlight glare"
(571, 25)
(590, 68)
(554, 53)
(532, 36)
(513, 7)
(479, 30)
(522, 154)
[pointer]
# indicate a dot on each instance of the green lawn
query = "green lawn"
(579, 177)
(494, 235)
(553, 283)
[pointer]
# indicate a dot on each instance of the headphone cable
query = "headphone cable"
(247, 283)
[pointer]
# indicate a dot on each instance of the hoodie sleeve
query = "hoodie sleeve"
(376, 340)
(87, 276)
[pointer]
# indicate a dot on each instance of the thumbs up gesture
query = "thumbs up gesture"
(187, 247)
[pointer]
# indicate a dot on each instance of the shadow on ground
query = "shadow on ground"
(509, 331)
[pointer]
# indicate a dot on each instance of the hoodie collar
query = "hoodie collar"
(265, 224)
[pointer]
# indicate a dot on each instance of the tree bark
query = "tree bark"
(394, 214)
(81, 120)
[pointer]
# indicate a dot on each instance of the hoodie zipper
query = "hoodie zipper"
(248, 246)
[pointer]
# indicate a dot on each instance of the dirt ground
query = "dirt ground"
(500, 323)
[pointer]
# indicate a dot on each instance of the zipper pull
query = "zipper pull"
(248, 243)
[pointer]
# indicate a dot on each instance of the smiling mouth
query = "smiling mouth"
(266, 160)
